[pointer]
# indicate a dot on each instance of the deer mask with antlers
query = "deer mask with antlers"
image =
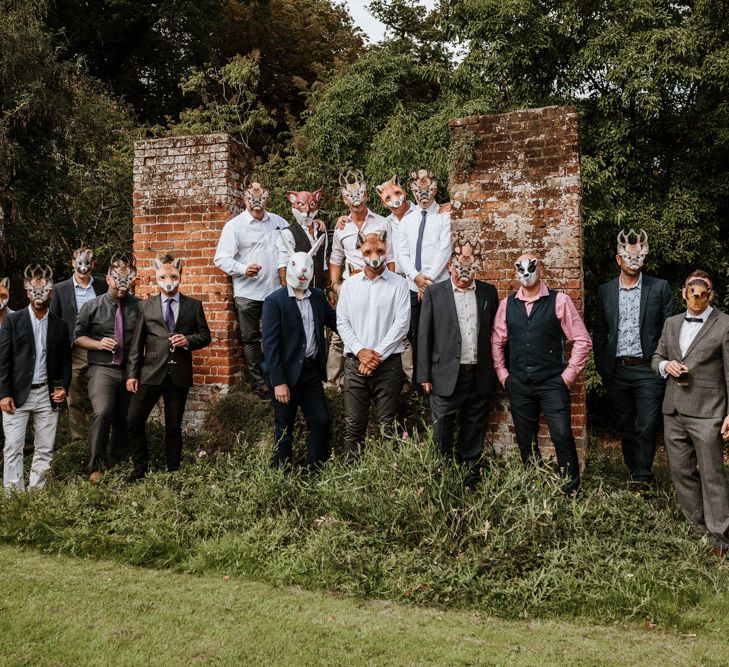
(424, 186)
(255, 195)
(121, 275)
(465, 258)
(353, 188)
(632, 249)
(38, 285)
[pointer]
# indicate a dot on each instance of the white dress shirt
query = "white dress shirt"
(307, 318)
(373, 314)
(82, 294)
(467, 310)
(283, 252)
(344, 241)
(686, 335)
(175, 305)
(436, 248)
(40, 336)
(395, 227)
(245, 240)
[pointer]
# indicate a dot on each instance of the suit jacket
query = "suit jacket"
(439, 338)
(284, 339)
(708, 359)
(17, 355)
(149, 351)
(63, 301)
(656, 306)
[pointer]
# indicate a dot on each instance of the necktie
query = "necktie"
(693, 319)
(169, 316)
(118, 336)
(419, 244)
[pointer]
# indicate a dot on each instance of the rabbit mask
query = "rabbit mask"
(300, 269)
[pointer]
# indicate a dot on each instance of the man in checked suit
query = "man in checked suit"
(693, 354)
(454, 355)
(169, 329)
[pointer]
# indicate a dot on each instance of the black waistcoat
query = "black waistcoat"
(302, 244)
(536, 342)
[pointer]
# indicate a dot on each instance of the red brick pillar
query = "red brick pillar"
(185, 189)
(517, 176)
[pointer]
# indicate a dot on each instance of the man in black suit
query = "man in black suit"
(294, 353)
(35, 373)
(68, 298)
(631, 311)
(170, 328)
(454, 355)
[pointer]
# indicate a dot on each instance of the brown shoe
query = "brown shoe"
(720, 552)
(95, 477)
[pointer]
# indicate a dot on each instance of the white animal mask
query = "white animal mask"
(300, 269)
(633, 248)
(526, 271)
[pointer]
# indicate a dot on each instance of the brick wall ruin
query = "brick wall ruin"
(518, 180)
(185, 190)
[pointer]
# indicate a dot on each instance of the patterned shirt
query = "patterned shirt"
(629, 321)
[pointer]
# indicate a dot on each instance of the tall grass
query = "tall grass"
(398, 525)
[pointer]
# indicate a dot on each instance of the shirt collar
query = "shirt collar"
(164, 297)
(249, 218)
(703, 317)
(33, 318)
(385, 275)
(79, 285)
(637, 285)
(292, 294)
(543, 291)
(470, 288)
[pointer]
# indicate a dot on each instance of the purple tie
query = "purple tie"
(169, 316)
(119, 336)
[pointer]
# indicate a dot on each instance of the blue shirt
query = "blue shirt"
(83, 294)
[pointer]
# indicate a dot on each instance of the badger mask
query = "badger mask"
(526, 271)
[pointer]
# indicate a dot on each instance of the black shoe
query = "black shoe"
(136, 476)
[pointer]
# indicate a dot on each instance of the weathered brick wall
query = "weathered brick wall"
(521, 192)
(185, 189)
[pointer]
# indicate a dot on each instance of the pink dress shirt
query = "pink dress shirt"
(572, 326)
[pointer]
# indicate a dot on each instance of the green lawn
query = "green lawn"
(56, 610)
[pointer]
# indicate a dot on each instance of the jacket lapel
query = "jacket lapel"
(451, 301)
(295, 312)
(615, 296)
(645, 288)
(481, 303)
(702, 332)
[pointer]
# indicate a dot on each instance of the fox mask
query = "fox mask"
(374, 249)
(391, 193)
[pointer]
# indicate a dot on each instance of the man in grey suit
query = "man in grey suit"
(693, 354)
(454, 355)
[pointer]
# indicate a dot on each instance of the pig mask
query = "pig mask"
(304, 205)
(300, 269)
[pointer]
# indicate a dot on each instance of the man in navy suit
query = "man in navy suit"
(294, 353)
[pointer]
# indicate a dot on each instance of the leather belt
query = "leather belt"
(630, 361)
(39, 385)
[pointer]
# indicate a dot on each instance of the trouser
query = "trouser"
(308, 394)
(142, 404)
(695, 453)
(413, 332)
(335, 359)
(383, 387)
(45, 421)
(249, 319)
(76, 413)
(635, 394)
(109, 403)
(472, 412)
(551, 398)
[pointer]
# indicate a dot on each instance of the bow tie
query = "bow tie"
(693, 319)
